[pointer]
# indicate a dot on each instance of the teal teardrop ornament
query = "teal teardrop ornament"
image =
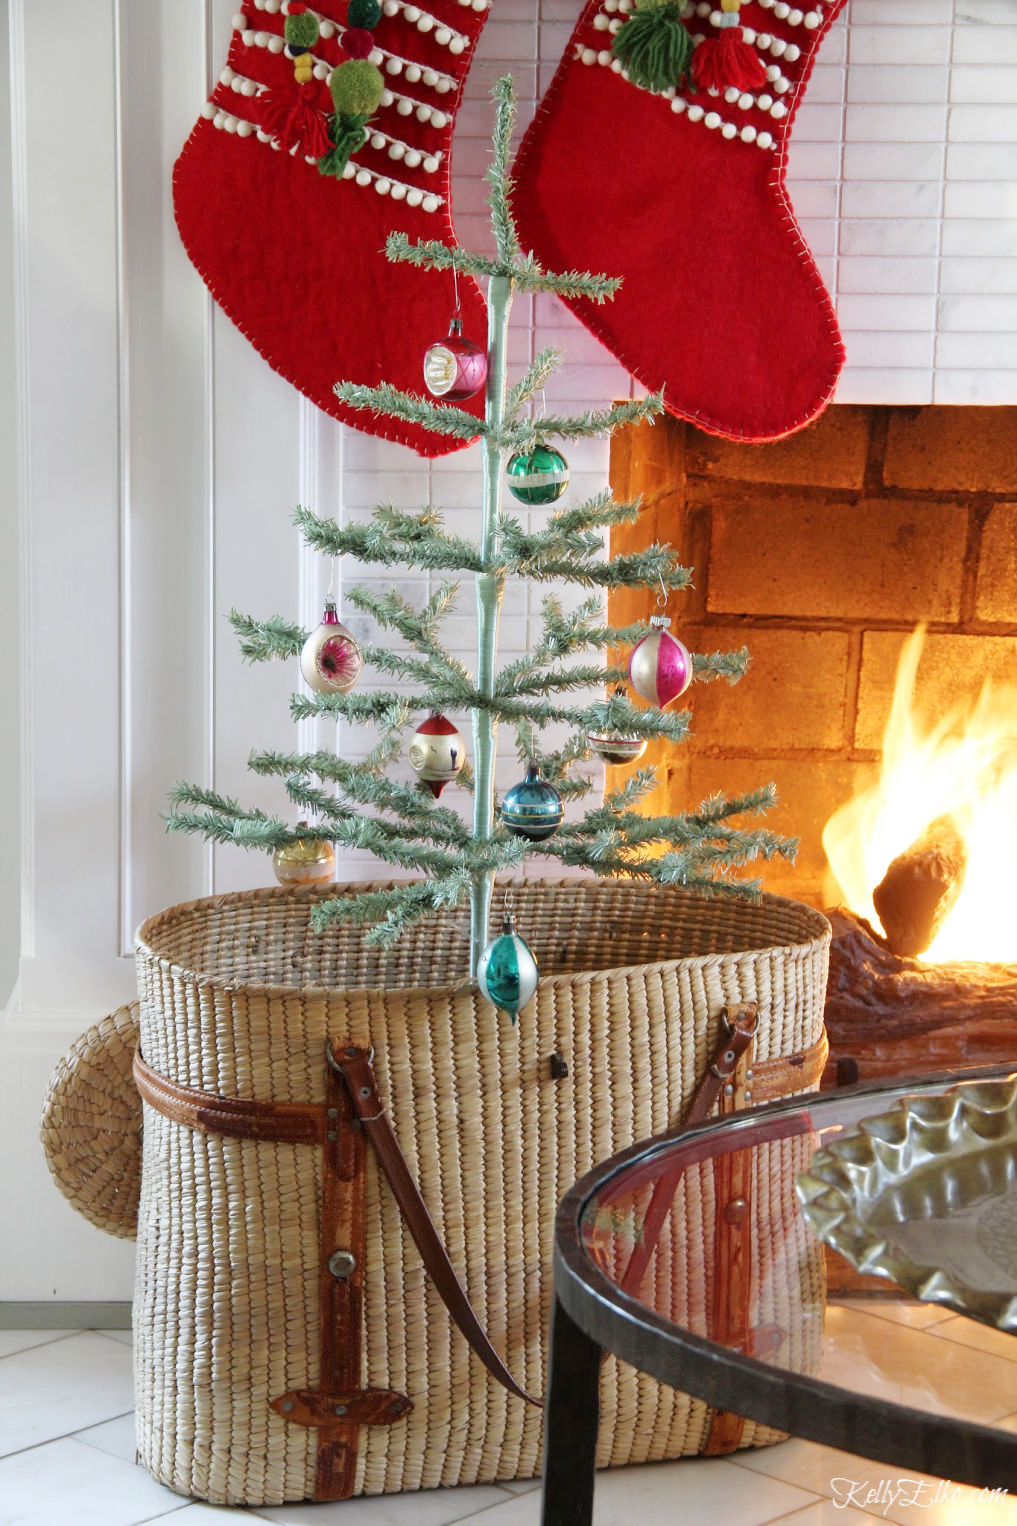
(539, 475)
(508, 972)
(532, 809)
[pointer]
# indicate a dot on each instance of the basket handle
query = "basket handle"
(357, 1072)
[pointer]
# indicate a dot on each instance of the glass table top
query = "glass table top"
(707, 1231)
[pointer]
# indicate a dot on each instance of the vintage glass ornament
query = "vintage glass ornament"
(615, 748)
(455, 368)
(507, 973)
(660, 666)
(533, 808)
(305, 862)
(331, 660)
(437, 752)
(539, 475)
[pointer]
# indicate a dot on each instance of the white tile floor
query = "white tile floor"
(67, 1450)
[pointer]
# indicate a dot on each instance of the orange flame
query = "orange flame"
(965, 766)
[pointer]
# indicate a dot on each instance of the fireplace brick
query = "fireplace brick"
(996, 588)
(952, 449)
(809, 791)
(831, 453)
(794, 694)
(880, 559)
(951, 672)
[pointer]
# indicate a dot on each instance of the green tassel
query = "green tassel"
(347, 135)
(653, 47)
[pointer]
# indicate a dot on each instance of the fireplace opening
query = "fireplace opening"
(823, 554)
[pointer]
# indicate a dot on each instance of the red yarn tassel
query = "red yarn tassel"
(299, 121)
(720, 62)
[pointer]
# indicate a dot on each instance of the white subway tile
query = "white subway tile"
(893, 161)
(826, 84)
(983, 387)
(960, 275)
(511, 41)
(980, 198)
(985, 13)
(897, 124)
(890, 236)
(984, 45)
(894, 350)
(876, 313)
(833, 48)
(860, 273)
(978, 314)
(553, 39)
(995, 351)
(983, 84)
(981, 161)
(982, 124)
(816, 198)
(877, 13)
(894, 83)
(980, 236)
(819, 124)
(898, 44)
(883, 384)
(821, 236)
(813, 161)
(891, 198)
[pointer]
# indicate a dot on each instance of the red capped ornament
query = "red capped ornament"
(437, 752)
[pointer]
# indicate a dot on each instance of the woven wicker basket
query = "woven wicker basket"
(238, 997)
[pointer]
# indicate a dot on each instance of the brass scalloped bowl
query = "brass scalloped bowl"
(926, 1194)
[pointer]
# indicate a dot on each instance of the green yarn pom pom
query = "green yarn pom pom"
(365, 13)
(302, 30)
(347, 134)
(357, 88)
(653, 47)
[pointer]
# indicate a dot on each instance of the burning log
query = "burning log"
(897, 1016)
(918, 891)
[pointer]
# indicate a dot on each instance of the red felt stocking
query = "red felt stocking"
(680, 190)
(289, 240)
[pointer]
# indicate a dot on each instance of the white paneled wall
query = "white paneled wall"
(160, 457)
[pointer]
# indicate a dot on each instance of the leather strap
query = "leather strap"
(339, 1406)
(354, 1065)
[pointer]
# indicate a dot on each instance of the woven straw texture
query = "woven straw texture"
(91, 1124)
(238, 996)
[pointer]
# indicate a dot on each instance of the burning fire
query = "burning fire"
(965, 767)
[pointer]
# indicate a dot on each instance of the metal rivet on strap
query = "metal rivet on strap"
(735, 1210)
(342, 1264)
(351, 1052)
(333, 1112)
(340, 1409)
(365, 1091)
(729, 1090)
(749, 1074)
(287, 1404)
(748, 1096)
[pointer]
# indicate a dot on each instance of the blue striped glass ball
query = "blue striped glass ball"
(507, 973)
(532, 809)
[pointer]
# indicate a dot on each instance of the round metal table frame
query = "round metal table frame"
(591, 1315)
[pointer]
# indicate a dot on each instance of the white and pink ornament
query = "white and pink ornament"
(330, 659)
(660, 666)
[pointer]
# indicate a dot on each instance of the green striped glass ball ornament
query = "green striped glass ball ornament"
(532, 809)
(539, 475)
(507, 973)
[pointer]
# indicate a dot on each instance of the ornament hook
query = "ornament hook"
(662, 596)
(455, 286)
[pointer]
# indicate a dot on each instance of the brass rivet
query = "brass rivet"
(735, 1210)
(342, 1264)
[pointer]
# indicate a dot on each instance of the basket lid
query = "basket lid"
(91, 1124)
